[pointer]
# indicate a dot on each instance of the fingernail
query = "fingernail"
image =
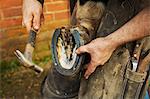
(36, 27)
(86, 77)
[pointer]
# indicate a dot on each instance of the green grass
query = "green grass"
(43, 60)
(9, 65)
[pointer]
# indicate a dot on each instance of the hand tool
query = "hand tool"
(26, 58)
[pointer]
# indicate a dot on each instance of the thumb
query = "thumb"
(36, 21)
(82, 49)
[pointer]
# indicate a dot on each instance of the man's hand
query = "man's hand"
(100, 51)
(32, 14)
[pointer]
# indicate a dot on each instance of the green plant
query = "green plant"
(9, 65)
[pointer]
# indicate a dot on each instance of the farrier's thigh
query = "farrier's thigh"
(107, 81)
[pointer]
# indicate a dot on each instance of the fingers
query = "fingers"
(37, 21)
(90, 69)
(27, 25)
(27, 21)
(82, 49)
(33, 21)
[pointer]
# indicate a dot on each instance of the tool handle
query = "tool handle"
(144, 64)
(32, 37)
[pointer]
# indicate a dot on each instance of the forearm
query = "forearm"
(136, 28)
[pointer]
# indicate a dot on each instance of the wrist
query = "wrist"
(113, 41)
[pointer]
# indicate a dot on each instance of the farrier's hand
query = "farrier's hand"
(100, 51)
(32, 14)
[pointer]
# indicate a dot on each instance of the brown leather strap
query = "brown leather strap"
(135, 76)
